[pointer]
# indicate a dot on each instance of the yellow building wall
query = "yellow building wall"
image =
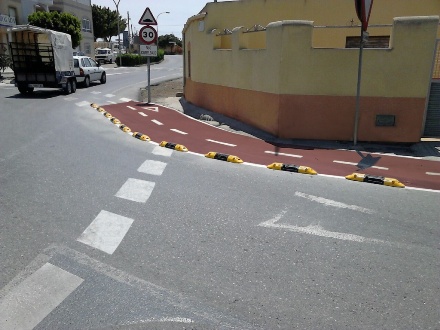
(282, 82)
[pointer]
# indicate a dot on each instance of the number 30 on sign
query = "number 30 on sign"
(148, 35)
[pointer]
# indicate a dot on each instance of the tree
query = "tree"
(166, 39)
(61, 22)
(105, 22)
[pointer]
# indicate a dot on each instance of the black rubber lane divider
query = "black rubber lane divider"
(292, 168)
(224, 157)
(391, 182)
(174, 146)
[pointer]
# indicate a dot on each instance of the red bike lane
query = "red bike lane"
(164, 124)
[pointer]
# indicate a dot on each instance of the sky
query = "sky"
(172, 23)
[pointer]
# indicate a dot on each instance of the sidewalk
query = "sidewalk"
(427, 148)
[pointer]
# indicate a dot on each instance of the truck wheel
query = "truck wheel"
(73, 85)
(24, 89)
(86, 81)
(103, 78)
(68, 88)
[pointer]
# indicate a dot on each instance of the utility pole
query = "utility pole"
(128, 25)
(119, 33)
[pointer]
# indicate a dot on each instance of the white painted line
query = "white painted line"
(317, 230)
(94, 92)
(106, 231)
(155, 109)
(82, 104)
(109, 95)
(223, 143)
(124, 99)
(36, 297)
(356, 164)
(177, 131)
(152, 167)
(161, 151)
(142, 114)
(111, 102)
(159, 320)
(432, 173)
(136, 190)
(70, 98)
(282, 154)
(131, 108)
(329, 202)
(157, 122)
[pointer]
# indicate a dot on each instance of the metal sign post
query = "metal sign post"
(148, 36)
(363, 10)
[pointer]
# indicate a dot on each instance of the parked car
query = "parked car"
(87, 70)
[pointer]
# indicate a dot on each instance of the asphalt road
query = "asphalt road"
(103, 231)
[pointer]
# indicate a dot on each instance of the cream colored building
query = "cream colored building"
(289, 67)
(15, 12)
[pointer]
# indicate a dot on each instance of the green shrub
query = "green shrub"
(135, 59)
(5, 62)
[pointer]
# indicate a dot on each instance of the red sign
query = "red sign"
(363, 10)
(148, 35)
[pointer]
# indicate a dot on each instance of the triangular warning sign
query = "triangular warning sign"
(147, 18)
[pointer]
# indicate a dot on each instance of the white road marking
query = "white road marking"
(177, 131)
(124, 99)
(223, 143)
(131, 108)
(142, 114)
(109, 95)
(329, 202)
(36, 297)
(432, 173)
(161, 151)
(82, 104)
(317, 230)
(157, 122)
(136, 190)
(355, 164)
(282, 154)
(95, 92)
(70, 98)
(160, 320)
(152, 167)
(106, 231)
(111, 102)
(155, 109)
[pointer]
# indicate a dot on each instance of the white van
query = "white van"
(105, 55)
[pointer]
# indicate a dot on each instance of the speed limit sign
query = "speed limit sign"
(148, 35)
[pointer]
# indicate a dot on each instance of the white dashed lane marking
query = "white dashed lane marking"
(177, 131)
(142, 114)
(157, 122)
(356, 164)
(282, 154)
(432, 173)
(106, 232)
(82, 104)
(136, 190)
(109, 95)
(36, 297)
(96, 93)
(223, 143)
(131, 108)
(160, 151)
(124, 99)
(152, 167)
(70, 98)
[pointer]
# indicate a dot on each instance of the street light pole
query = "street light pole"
(119, 33)
(165, 12)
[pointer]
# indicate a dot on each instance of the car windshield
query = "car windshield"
(102, 51)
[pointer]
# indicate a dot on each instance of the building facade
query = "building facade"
(289, 67)
(16, 12)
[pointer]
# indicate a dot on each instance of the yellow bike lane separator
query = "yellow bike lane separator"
(224, 157)
(292, 168)
(391, 182)
(173, 146)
